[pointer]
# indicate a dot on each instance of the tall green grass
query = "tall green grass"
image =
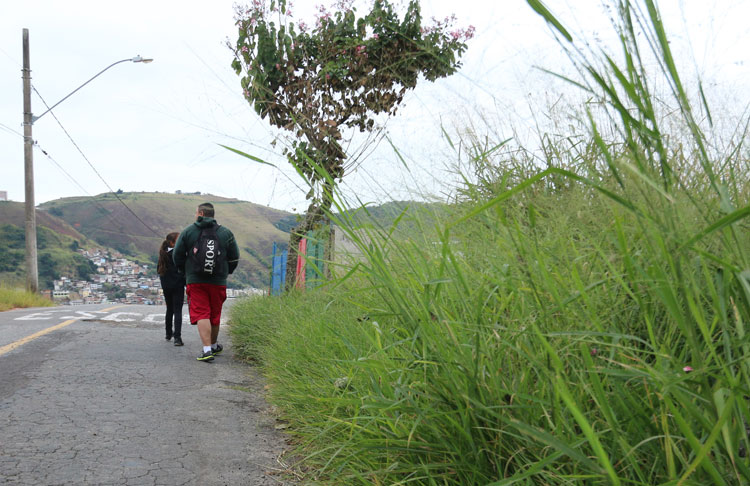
(12, 297)
(578, 325)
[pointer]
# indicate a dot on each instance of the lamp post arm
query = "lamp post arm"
(35, 118)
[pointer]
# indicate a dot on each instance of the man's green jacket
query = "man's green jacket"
(189, 237)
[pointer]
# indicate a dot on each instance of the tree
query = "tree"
(84, 267)
(324, 83)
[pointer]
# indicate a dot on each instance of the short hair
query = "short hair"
(207, 209)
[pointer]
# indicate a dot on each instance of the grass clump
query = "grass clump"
(584, 324)
(11, 298)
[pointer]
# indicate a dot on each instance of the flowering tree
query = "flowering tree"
(323, 83)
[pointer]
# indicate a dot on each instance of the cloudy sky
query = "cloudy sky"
(158, 126)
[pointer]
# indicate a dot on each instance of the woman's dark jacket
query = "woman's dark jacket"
(172, 279)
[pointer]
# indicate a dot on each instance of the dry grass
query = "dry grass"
(12, 298)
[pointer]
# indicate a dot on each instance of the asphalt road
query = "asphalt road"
(96, 395)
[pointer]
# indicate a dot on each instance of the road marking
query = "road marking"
(117, 316)
(111, 308)
(10, 347)
(36, 316)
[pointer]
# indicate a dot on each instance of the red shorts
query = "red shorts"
(205, 301)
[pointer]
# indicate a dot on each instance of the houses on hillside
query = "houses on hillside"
(120, 280)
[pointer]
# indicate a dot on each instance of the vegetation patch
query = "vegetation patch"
(12, 298)
(579, 323)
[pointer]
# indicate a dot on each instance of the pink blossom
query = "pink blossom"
(278, 66)
(244, 49)
(302, 26)
(246, 93)
(687, 369)
(594, 351)
(323, 17)
(344, 5)
(375, 36)
(328, 76)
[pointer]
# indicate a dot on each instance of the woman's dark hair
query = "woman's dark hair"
(161, 267)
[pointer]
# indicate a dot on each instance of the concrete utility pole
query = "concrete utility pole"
(32, 272)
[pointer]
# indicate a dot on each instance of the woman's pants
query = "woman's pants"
(174, 299)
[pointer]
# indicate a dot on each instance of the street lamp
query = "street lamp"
(132, 59)
(32, 272)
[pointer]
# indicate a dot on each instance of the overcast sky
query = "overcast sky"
(156, 127)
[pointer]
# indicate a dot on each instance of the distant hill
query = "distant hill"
(107, 221)
(57, 243)
(14, 213)
(411, 215)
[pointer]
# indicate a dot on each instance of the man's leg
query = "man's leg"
(218, 295)
(205, 330)
(214, 334)
(200, 314)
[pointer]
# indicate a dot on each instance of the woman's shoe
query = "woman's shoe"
(168, 337)
(178, 341)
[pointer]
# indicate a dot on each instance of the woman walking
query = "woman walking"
(173, 285)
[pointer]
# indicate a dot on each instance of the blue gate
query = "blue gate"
(278, 269)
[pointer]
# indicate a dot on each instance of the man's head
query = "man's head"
(206, 209)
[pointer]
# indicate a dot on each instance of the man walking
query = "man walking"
(206, 253)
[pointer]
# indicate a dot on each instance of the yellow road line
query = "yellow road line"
(111, 308)
(10, 347)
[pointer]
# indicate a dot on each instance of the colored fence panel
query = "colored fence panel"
(278, 269)
(315, 271)
(311, 265)
(301, 260)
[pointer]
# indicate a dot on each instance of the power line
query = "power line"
(104, 210)
(8, 129)
(73, 180)
(70, 177)
(10, 57)
(92, 165)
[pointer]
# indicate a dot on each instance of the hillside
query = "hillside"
(105, 220)
(14, 213)
(57, 243)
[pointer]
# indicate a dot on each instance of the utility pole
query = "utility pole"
(32, 272)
